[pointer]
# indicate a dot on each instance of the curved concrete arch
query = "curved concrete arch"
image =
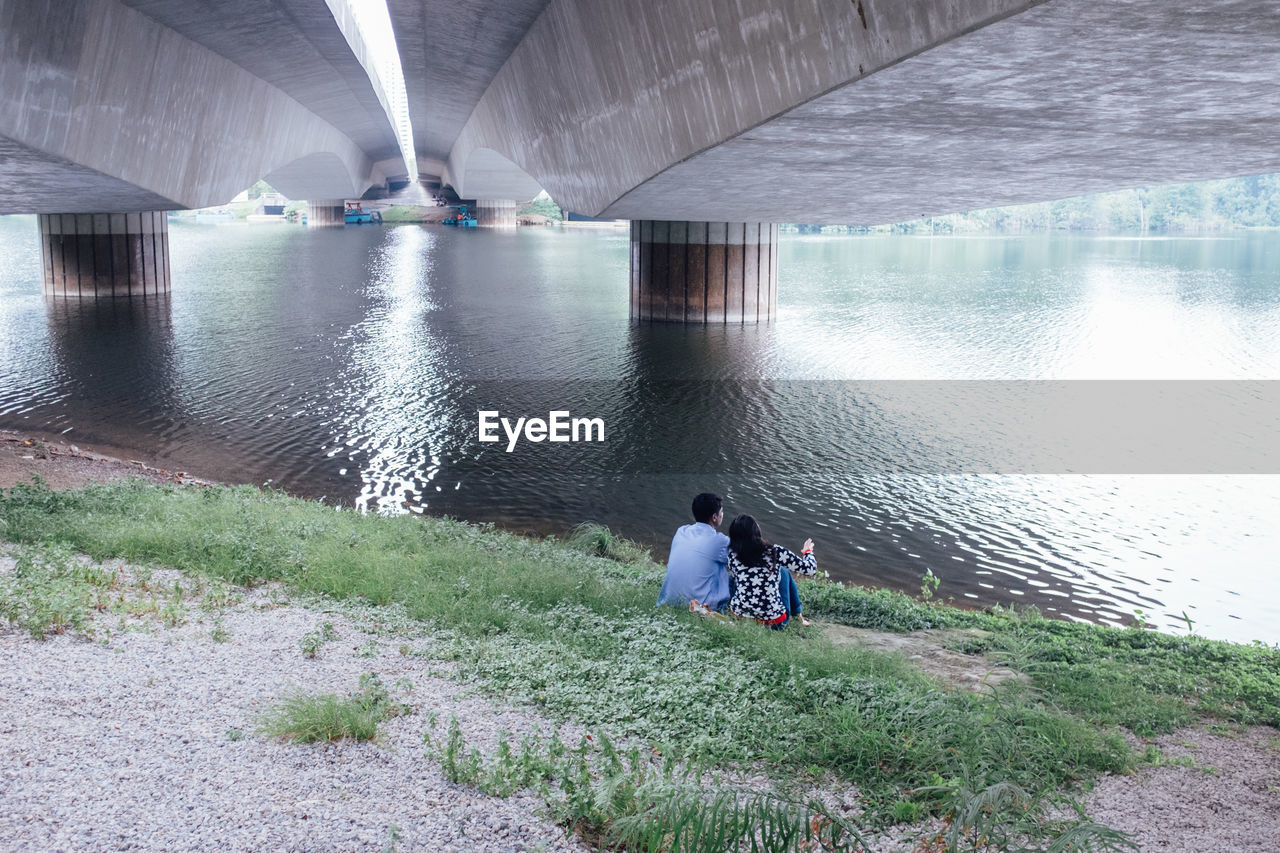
(108, 99)
(488, 174)
(313, 175)
(602, 95)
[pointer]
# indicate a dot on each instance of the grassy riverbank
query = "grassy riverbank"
(577, 635)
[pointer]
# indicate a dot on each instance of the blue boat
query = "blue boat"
(463, 219)
(355, 215)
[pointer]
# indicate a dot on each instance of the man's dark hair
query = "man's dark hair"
(706, 505)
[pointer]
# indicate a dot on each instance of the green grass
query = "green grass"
(313, 641)
(579, 636)
(308, 718)
(51, 592)
(305, 718)
(402, 213)
(1148, 682)
(630, 801)
(1005, 817)
(599, 541)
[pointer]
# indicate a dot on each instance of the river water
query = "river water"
(913, 407)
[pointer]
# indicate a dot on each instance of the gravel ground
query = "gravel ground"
(1228, 799)
(123, 744)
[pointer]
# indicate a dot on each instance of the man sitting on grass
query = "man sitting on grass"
(696, 576)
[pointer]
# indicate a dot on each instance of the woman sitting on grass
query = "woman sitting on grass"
(763, 588)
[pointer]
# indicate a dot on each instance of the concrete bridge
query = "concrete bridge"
(703, 121)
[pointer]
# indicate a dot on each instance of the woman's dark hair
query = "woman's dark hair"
(746, 541)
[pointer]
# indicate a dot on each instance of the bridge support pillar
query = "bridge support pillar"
(495, 213)
(94, 255)
(326, 214)
(704, 272)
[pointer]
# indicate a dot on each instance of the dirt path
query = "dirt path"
(145, 738)
(927, 650)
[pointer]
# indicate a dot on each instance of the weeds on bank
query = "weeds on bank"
(219, 595)
(1155, 757)
(580, 637)
(599, 541)
(313, 641)
(627, 800)
(706, 692)
(51, 591)
(1148, 682)
(307, 718)
(1006, 817)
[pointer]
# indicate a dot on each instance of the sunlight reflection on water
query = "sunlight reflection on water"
(350, 364)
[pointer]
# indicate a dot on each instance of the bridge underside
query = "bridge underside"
(32, 180)
(688, 110)
(113, 107)
(876, 111)
(1064, 99)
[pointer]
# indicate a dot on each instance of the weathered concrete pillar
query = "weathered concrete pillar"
(92, 255)
(704, 272)
(326, 214)
(495, 213)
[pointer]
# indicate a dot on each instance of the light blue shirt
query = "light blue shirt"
(696, 568)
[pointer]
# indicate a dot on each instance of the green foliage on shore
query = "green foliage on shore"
(1148, 682)
(1232, 203)
(403, 213)
(628, 800)
(880, 609)
(579, 636)
(51, 592)
(542, 206)
(599, 541)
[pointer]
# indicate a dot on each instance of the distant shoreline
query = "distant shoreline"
(64, 465)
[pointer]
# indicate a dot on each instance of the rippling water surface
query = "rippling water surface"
(351, 364)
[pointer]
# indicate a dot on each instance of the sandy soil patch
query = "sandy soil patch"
(67, 466)
(927, 650)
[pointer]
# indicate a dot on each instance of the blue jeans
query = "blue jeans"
(790, 597)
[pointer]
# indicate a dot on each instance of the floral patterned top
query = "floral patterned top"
(755, 589)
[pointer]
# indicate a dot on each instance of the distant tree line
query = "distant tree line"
(542, 206)
(1252, 202)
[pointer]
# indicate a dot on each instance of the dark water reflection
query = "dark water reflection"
(351, 365)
